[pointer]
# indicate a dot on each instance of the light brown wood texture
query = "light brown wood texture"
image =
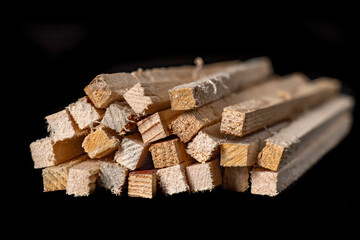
(243, 151)
(172, 180)
(55, 177)
(188, 124)
(204, 176)
(215, 86)
(206, 144)
(142, 183)
(247, 117)
(271, 183)
(100, 142)
(236, 178)
(157, 125)
(113, 176)
(82, 178)
(84, 113)
(62, 127)
(120, 117)
(104, 89)
(150, 94)
(280, 147)
(46, 153)
(133, 153)
(168, 153)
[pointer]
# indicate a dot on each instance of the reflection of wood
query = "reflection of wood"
(204, 176)
(168, 153)
(120, 118)
(267, 182)
(243, 151)
(113, 176)
(156, 126)
(246, 117)
(133, 153)
(215, 86)
(188, 124)
(100, 143)
(301, 132)
(82, 178)
(142, 183)
(55, 177)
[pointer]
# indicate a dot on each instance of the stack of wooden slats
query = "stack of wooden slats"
(193, 128)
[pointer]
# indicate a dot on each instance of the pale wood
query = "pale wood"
(157, 125)
(215, 86)
(142, 183)
(100, 142)
(188, 124)
(168, 153)
(55, 177)
(236, 178)
(247, 117)
(46, 153)
(243, 151)
(82, 178)
(84, 113)
(204, 176)
(133, 153)
(280, 147)
(271, 183)
(113, 176)
(172, 180)
(150, 94)
(120, 117)
(104, 89)
(62, 127)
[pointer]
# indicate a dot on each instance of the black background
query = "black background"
(53, 59)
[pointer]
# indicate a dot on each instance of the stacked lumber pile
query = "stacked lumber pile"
(192, 128)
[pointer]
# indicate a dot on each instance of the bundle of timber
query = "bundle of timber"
(193, 128)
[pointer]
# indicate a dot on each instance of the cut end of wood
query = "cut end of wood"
(271, 156)
(172, 180)
(236, 178)
(113, 176)
(232, 122)
(235, 155)
(99, 92)
(182, 99)
(152, 128)
(264, 182)
(42, 153)
(142, 184)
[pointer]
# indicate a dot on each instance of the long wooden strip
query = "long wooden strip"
(150, 94)
(247, 117)
(280, 147)
(188, 124)
(210, 88)
(267, 182)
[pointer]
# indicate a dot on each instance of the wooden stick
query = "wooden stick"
(120, 117)
(168, 153)
(267, 182)
(172, 180)
(55, 177)
(280, 147)
(243, 151)
(113, 176)
(210, 88)
(204, 176)
(151, 93)
(142, 183)
(133, 153)
(157, 125)
(100, 142)
(236, 178)
(82, 178)
(246, 117)
(188, 124)
(84, 113)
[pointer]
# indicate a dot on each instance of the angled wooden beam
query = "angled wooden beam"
(157, 125)
(188, 124)
(247, 117)
(271, 183)
(210, 88)
(301, 132)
